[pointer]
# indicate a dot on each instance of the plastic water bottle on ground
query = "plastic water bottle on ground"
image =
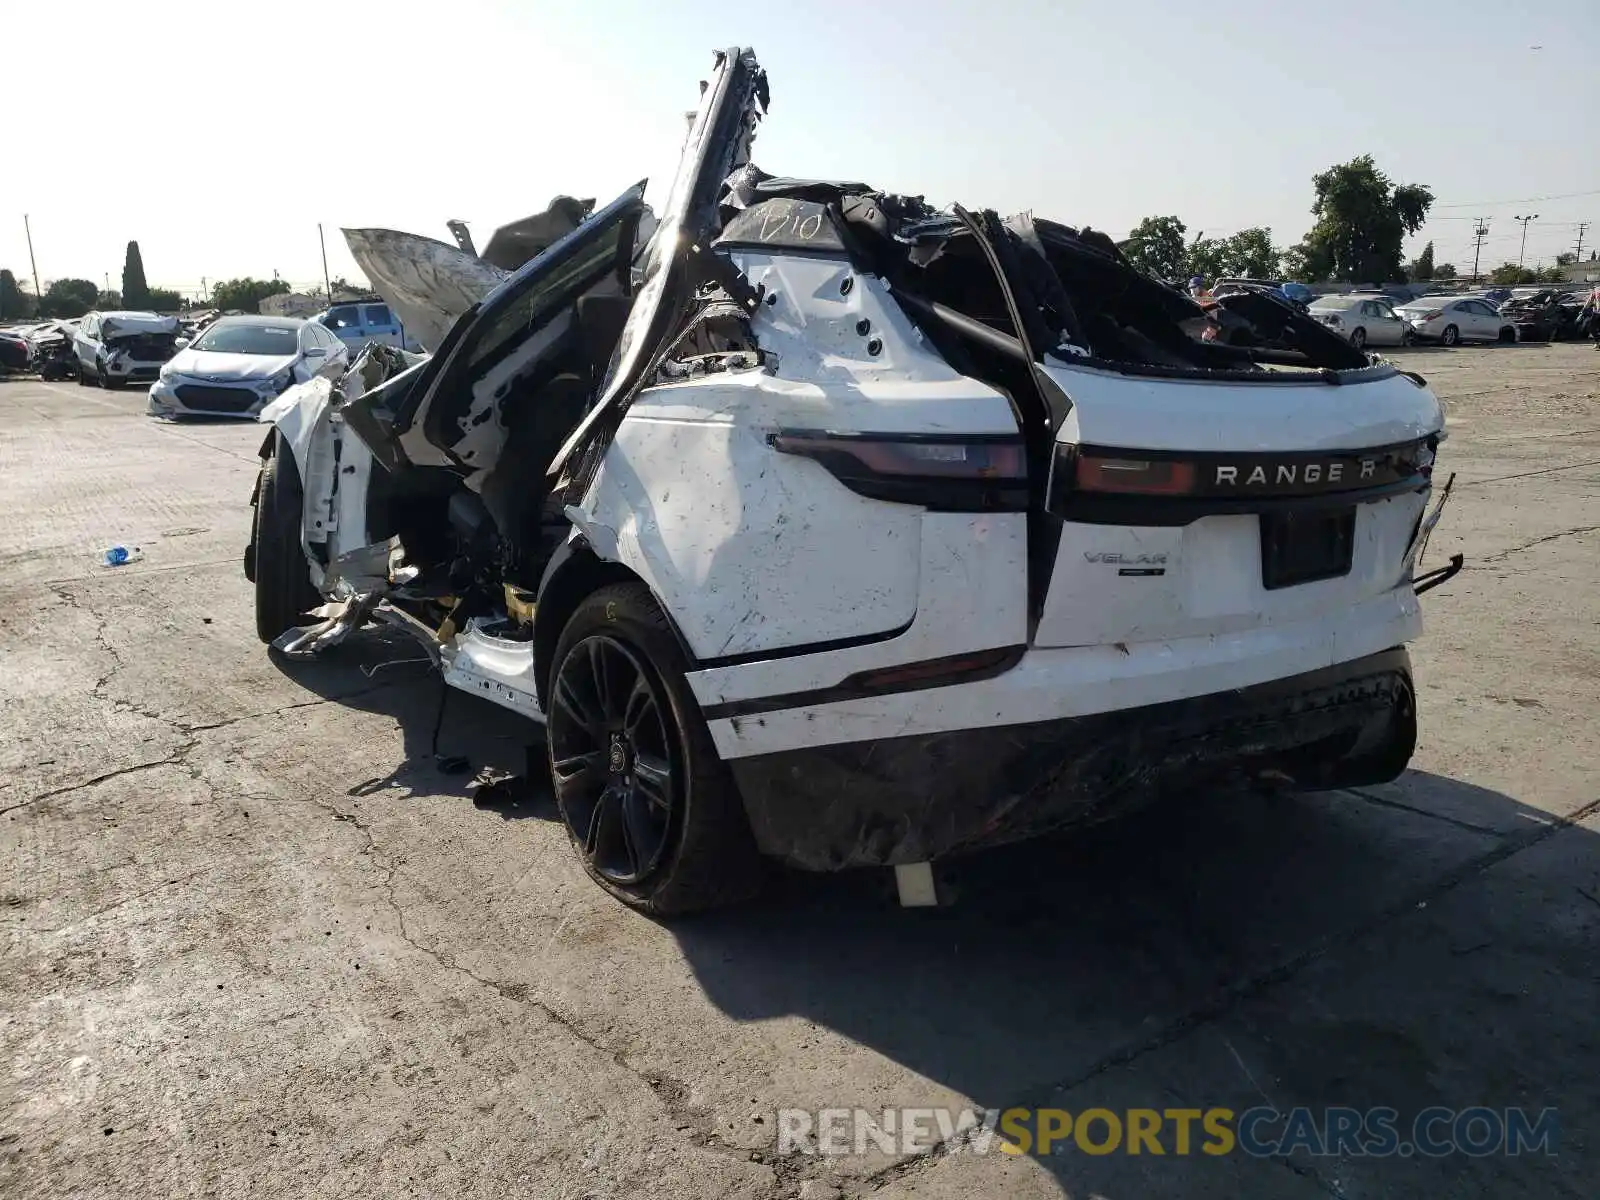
(121, 556)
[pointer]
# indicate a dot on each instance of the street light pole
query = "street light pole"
(1525, 220)
(28, 229)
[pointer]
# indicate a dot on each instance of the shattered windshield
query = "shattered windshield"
(275, 340)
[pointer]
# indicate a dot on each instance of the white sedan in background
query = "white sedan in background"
(239, 364)
(1361, 320)
(1451, 320)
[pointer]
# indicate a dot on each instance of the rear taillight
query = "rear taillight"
(945, 472)
(1434, 315)
(1135, 476)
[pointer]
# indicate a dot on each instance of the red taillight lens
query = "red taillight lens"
(1135, 476)
(919, 459)
(945, 474)
(1434, 315)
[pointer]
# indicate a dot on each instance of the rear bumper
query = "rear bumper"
(909, 799)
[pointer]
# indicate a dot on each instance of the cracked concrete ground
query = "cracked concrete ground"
(254, 944)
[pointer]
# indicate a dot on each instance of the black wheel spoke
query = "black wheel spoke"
(586, 770)
(568, 697)
(653, 777)
(641, 703)
(631, 837)
(605, 827)
(599, 665)
(612, 750)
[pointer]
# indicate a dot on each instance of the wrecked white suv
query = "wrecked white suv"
(839, 530)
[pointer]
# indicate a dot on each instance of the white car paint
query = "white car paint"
(752, 551)
(1362, 320)
(95, 342)
(1447, 319)
(783, 579)
(1186, 414)
(202, 382)
(1063, 682)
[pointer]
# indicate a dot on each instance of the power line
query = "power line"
(1522, 200)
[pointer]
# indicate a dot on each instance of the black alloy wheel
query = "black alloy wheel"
(613, 759)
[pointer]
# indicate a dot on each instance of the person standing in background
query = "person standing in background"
(1589, 316)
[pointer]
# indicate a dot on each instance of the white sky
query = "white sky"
(219, 135)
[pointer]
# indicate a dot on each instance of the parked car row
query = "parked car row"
(1374, 320)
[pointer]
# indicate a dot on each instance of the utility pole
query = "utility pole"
(205, 295)
(1525, 221)
(28, 229)
(1577, 254)
(1481, 232)
(326, 282)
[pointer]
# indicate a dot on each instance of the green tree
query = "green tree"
(1206, 257)
(1510, 275)
(1445, 271)
(67, 298)
(1421, 271)
(14, 303)
(109, 300)
(1362, 218)
(1251, 254)
(135, 292)
(1566, 260)
(1155, 245)
(1551, 274)
(245, 294)
(163, 300)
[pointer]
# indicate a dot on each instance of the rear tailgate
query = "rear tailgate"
(1194, 508)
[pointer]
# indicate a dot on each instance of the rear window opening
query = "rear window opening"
(1078, 298)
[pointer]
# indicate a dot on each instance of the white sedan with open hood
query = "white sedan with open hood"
(840, 530)
(238, 364)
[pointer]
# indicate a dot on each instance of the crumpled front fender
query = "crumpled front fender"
(296, 413)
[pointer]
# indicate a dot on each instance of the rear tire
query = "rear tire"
(1358, 338)
(283, 587)
(1450, 337)
(649, 806)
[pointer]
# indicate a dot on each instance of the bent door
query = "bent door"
(453, 415)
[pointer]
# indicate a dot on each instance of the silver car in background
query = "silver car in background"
(239, 364)
(1451, 320)
(1362, 320)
